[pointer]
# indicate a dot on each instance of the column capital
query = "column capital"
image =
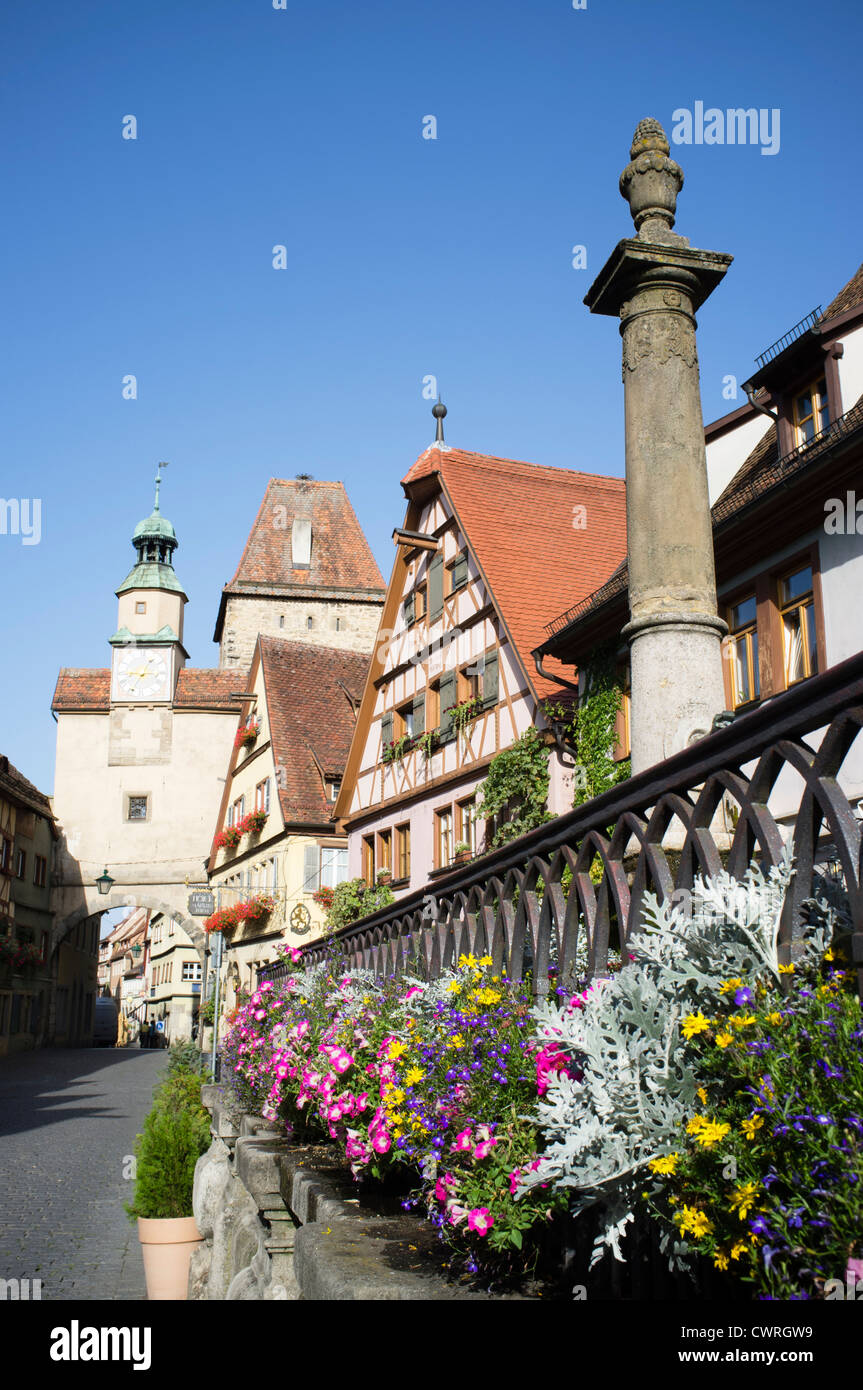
(634, 263)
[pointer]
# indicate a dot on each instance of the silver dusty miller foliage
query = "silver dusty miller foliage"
(636, 1087)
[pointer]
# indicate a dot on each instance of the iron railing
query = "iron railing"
(788, 338)
(526, 904)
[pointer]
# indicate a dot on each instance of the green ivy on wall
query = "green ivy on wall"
(590, 732)
(514, 796)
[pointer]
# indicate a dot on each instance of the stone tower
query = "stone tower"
(655, 281)
(306, 573)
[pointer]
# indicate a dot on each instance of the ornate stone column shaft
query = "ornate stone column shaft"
(655, 281)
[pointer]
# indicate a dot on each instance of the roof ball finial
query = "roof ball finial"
(439, 413)
(651, 182)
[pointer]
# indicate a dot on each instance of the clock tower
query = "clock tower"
(148, 644)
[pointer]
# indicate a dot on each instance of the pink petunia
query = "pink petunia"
(480, 1220)
(381, 1143)
(463, 1142)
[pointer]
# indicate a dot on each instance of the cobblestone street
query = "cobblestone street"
(68, 1119)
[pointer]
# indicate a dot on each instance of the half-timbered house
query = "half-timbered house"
(487, 548)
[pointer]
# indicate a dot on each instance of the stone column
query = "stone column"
(655, 281)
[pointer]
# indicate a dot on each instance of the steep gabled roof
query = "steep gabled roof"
(310, 718)
(522, 523)
(341, 561)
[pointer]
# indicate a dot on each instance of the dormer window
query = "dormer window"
(811, 411)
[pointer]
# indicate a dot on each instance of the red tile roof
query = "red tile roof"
(341, 558)
(209, 689)
(311, 720)
(518, 519)
(82, 691)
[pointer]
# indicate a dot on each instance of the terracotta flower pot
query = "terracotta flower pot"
(167, 1246)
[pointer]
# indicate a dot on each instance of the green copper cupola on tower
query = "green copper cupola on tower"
(148, 643)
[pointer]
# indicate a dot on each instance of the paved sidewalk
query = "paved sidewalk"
(68, 1120)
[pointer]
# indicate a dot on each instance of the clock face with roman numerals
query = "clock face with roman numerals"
(142, 673)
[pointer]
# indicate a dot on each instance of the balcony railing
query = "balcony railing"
(529, 904)
(790, 337)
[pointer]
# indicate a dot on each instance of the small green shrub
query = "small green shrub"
(176, 1132)
(184, 1056)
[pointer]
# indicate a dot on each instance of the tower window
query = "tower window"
(136, 808)
(140, 607)
(338, 624)
(301, 543)
(309, 623)
(281, 620)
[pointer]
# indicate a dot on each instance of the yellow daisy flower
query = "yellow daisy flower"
(693, 1024)
(666, 1164)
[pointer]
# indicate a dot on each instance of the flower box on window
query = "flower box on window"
(245, 737)
(324, 898)
(257, 908)
(228, 838)
(426, 742)
(19, 955)
(395, 751)
(253, 823)
(465, 713)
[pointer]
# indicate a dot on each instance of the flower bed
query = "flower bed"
(513, 1119)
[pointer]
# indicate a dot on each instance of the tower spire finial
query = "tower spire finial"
(439, 413)
(158, 484)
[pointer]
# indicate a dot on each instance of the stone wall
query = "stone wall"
(246, 617)
(282, 1222)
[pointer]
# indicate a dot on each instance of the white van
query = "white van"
(105, 1023)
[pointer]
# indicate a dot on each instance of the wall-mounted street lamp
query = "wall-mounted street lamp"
(105, 883)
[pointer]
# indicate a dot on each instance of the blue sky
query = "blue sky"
(405, 257)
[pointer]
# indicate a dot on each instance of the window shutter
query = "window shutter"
(311, 869)
(459, 572)
(419, 715)
(409, 608)
(436, 587)
(447, 700)
(267, 795)
(386, 730)
(490, 679)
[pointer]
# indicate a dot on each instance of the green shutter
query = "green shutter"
(436, 587)
(386, 730)
(489, 679)
(447, 700)
(419, 715)
(311, 869)
(459, 572)
(409, 608)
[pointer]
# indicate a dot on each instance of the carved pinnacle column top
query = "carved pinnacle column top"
(650, 183)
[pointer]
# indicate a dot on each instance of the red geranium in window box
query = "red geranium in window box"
(253, 823)
(228, 838)
(245, 736)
